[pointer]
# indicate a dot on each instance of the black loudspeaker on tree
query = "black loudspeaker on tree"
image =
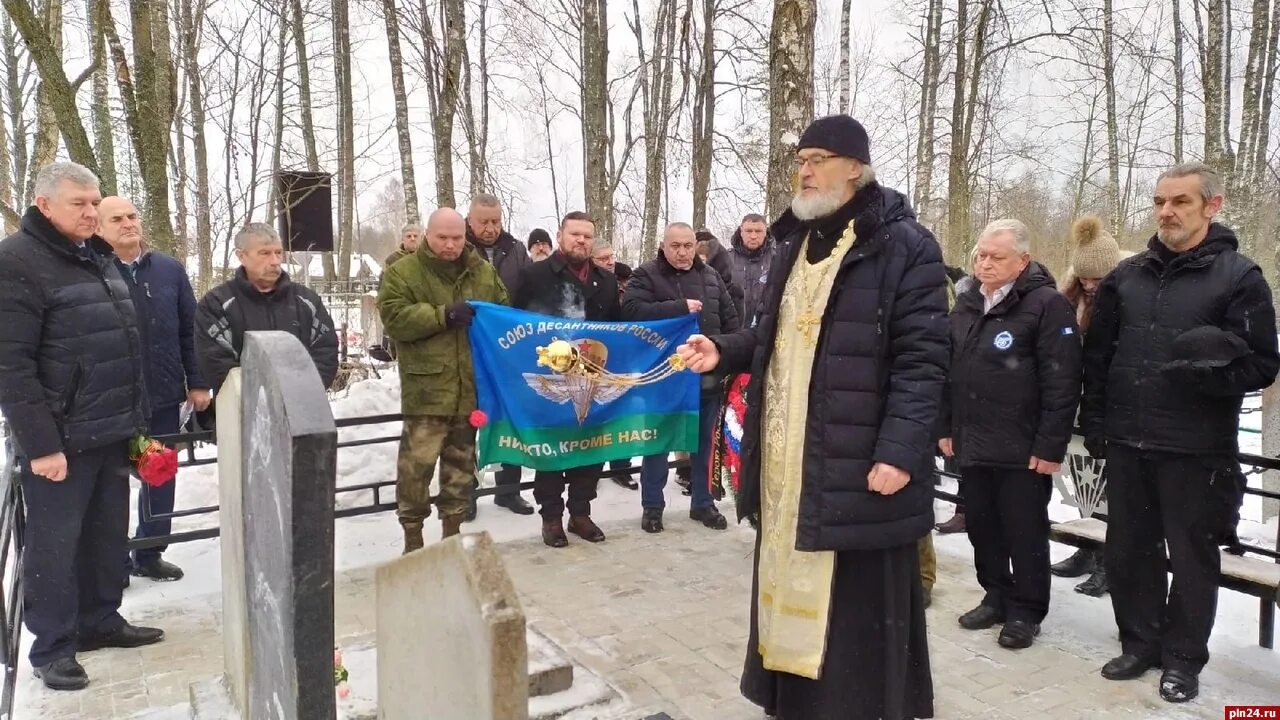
(306, 210)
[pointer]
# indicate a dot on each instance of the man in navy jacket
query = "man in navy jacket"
(166, 309)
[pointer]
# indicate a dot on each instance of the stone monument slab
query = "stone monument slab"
(289, 447)
(235, 617)
(451, 635)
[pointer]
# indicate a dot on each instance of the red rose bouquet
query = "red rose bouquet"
(155, 463)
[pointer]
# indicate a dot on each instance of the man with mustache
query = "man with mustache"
(848, 359)
(1179, 334)
(261, 297)
(166, 307)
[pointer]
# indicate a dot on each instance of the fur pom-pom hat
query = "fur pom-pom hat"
(1095, 252)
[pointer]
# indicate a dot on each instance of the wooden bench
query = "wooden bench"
(1252, 576)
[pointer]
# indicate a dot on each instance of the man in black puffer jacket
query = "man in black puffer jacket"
(1167, 424)
(676, 283)
(1007, 418)
(848, 358)
(569, 285)
(261, 297)
(71, 390)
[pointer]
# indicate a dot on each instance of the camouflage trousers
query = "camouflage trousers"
(426, 440)
(928, 562)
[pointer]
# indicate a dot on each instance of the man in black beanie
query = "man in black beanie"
(848, 358)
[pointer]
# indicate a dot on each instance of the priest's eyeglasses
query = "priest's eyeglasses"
(816, 161)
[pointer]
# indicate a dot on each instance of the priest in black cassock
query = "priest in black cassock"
(847, 359)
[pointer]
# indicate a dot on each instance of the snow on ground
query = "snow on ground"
(373, 539)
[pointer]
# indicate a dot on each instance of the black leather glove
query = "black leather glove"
(458, 314)
(1097, 447)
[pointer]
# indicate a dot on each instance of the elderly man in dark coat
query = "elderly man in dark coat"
(71, 389)
(1014, 389)
(848, 359)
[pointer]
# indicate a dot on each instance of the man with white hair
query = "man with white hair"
(848, 356)
(71, 390)
(1007, 418)
(410, 237)
(261, 297)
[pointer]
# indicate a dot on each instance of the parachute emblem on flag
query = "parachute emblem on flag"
(1090, 479)
(578, 375)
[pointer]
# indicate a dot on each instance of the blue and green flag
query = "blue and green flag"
(547, 420)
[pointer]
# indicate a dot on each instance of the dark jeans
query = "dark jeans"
(1007, 517)
(75, 536)
(654, 471)
(1180, 502)
(549, 485)
(157, 500)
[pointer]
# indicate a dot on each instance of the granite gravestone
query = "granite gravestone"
(235, 619)
(289, 444)
(451, 635)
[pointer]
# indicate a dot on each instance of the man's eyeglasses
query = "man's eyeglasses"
(815, 160)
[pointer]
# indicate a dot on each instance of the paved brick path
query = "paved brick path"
(663, 618)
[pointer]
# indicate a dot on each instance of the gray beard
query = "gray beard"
(821, 205)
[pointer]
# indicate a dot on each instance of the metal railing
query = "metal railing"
(383, 499)
(12, 526)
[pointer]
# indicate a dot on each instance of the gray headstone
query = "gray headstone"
(289, 445)
(235, 618)
(451, 635)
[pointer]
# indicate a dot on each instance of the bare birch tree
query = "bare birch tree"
(404, 140)
(791, 93)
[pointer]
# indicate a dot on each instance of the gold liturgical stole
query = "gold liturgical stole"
(795, 587)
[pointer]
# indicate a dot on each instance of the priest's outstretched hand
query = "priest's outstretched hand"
(699, 354)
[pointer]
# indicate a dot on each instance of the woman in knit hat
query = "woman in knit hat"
(1095, 254)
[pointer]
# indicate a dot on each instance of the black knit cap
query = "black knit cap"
(539, 236)
(622, 270)
(1207, 346)
(839, 134)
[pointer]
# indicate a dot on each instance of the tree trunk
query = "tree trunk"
(191, 36)
(1179, 84)
(403, 137)
(477, 124)
(654, 79)
(103, 137)
(594, 55)
(1212, 81)
(148, 105)
(704, 116)
(1113, 120)
(346, 138)
(845, 9)
(45, 146)
(304, 86)
(274, 199)
(551, 156)
(1086, 162)
(44, 43)
(958, 199)
(925, 140)
(178, 168)
(455, 20)
(790, 92)
(14, 107)
(11, 208)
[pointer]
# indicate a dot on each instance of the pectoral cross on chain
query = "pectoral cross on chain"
(806, 323)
